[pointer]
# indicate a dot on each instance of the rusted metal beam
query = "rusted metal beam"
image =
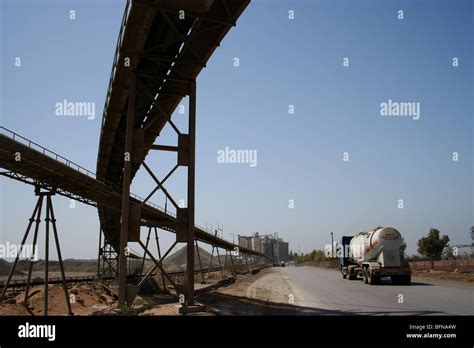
(159, 256)
(49, 206)
(23, 241)
(160, 185)
(164, 148)
(191, 193)
(157, 264)
(122, 274)
(200, 263)
(204, 17)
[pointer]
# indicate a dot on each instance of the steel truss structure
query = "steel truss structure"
(50, 221)
(161, 49)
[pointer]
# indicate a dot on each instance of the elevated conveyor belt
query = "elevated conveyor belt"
(31, 163)
(165, 44)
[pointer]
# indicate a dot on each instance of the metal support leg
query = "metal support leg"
(99, 253)
(159, 255)
(232, 262)
(200, 264)
(210, 263)
(35, 238)
(122, 274)
(58, 251)
(46, 259)
(191, 179)
(186, 157)
(220, 264)
(144, 253)
(157, 264)
(50, 219)
(109, 260)
(23, 241)
(104, 256)
(225, 258)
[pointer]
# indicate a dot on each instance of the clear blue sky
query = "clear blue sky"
(282, 62)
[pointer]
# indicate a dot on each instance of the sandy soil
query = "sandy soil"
(261, 293)
(101, 298)
(447, 277)
(264, 293)
(87, 299)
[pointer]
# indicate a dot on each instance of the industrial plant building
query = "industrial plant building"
(269, 244)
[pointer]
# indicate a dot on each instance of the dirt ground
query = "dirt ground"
(86, 299)
(262, 293)
(266, 285)
(100, 298)
(449, 277)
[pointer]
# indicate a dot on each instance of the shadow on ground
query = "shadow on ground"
(235, 305)
(387, 281)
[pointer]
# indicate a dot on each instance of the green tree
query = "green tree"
(315, 255)
(403, 247)
(432, 245)
(319, 256)
(450, 254)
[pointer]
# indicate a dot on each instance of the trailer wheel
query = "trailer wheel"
(351, 273)
(394, 279)
(364, 274)
(370, 278)
(405, 280)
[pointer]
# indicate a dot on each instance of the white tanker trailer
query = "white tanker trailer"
(373, 255)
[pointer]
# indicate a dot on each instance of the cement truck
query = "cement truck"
(373, 255)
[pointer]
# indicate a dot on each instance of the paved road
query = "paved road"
(326, 289)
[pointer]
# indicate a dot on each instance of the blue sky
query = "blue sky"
(300, 156)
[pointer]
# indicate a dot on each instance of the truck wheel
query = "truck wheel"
(405, 280)
(370, 277)
(364, 274)
(351, 273)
